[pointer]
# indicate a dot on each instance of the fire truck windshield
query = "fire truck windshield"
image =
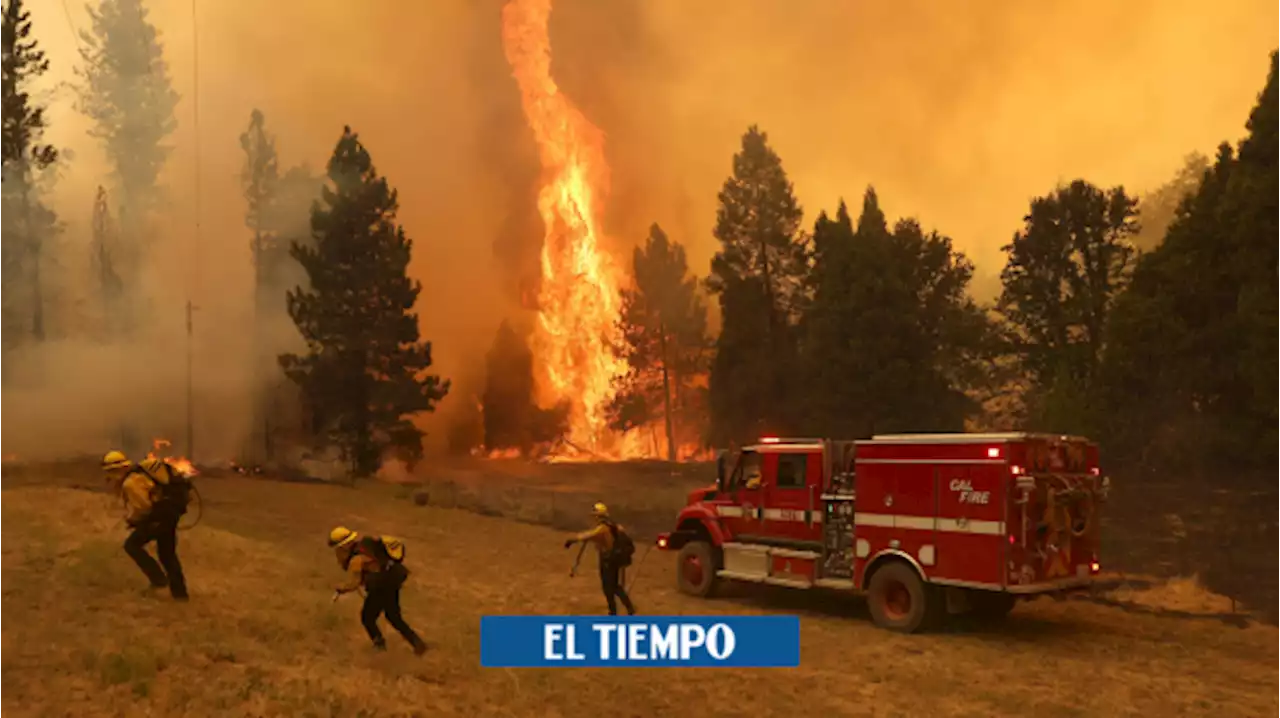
(748, 467)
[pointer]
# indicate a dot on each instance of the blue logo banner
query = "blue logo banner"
(637, 641)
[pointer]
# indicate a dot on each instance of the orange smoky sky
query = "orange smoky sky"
(957, 112)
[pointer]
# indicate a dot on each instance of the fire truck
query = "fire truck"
(926, 525)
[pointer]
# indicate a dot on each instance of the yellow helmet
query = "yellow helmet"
(341, 536)
(599, 510)
(114, 460)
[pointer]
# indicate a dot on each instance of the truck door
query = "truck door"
(793, 482)
(743, 515)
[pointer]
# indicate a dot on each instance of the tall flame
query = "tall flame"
(579, 302)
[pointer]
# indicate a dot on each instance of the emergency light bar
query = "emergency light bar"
(778, 440)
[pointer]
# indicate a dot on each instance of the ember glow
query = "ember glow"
(579, 302)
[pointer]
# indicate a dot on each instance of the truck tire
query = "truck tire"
(901, 601)
(696, 569)
(991, 606)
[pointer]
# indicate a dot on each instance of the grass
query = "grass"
(261, 638)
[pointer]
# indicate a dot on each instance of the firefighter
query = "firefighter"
(375, 564)
(606, 538)
(152, 513)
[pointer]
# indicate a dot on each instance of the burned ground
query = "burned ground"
(261, 638)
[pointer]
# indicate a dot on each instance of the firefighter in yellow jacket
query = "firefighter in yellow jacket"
(374, 564)
(152, 513)
(612, 571)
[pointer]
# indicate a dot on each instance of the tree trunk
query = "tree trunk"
(666, 395)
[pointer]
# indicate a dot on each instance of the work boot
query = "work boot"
(379, 644)
(419, 646)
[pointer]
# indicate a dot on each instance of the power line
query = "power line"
(71, 23)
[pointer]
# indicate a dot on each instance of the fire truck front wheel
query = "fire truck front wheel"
(900, 601)
(696, 569)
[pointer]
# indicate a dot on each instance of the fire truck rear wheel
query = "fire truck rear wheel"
(696, 569)
(900, 601)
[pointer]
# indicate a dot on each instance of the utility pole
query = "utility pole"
(195, 243)
(191, 440)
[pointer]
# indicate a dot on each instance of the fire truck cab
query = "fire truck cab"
(924, 524)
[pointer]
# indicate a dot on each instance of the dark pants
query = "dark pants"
(382, 597)
(164, 531)
(614, 585)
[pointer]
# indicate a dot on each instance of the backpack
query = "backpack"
(386, 550)
(172, 489)
(623, 547)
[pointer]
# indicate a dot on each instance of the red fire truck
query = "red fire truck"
(924, 524)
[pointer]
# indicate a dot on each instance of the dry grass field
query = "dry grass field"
(261, 638)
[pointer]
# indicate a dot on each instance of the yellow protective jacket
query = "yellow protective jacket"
(359, 567)
(140, 489)
(600, 536)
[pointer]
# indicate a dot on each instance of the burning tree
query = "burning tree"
(365, 370)
(578, 299)
(664, 341)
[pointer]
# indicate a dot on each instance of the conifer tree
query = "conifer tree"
(259, 178)
(1063, 273)
(1190, 369)
(365, 372)
(128, 95)
(664, 341)
(892, 341)
(758, 276)
(28, 223)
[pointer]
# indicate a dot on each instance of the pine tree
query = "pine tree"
(511, 418)
(1063, 272)
(1182, 299)
(664, 341)
(892, 341)
(1191, 364)
(758, 275)
(130, 99)
(28, 223)
(1253, 202)
(364, 374)
(259, 178)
